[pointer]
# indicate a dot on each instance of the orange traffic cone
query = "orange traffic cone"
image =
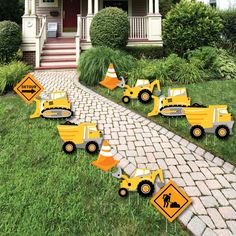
(105, 159)
(111, 81)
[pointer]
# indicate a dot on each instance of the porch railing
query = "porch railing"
(138, 27)
(40, 39)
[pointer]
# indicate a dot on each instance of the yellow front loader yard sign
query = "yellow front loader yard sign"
(28, 88)
(171, 201)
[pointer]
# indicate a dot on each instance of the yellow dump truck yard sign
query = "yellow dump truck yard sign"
(171, 201)
(28, 88)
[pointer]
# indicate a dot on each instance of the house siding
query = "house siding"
(139, 7)
(46, 11)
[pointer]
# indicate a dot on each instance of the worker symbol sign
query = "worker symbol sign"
(28, 88)
(171, 201)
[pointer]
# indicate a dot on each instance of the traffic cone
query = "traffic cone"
(111, 80)
(105, 159)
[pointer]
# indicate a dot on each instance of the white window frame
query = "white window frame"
(48, 4)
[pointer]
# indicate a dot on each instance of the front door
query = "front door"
(70, 10)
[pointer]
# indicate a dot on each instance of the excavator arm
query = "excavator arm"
(156, 173)
(156, 83)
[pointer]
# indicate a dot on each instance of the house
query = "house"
(73, 19)
(221, 4)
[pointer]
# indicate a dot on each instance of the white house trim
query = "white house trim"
(48, 4)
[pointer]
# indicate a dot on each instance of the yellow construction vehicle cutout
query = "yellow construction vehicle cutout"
(84, 135)
(143, 89)
(171, 106)
(57, 106)
(171, 201)
(213, 119)
(105, 159)
(142, 180)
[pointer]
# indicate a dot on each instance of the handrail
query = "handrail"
(40, 39)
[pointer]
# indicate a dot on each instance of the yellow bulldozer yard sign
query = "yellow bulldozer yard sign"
(28, 88)
(171, 201)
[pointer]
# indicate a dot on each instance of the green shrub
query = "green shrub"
(224, 65)
(11, 74)
(10, 40)
(229, 30)
(216, 63)
(190, 25)
(94, 63)
(172, 69)
(166, 5)
(204, 58)
(110, 28)
(149, 52)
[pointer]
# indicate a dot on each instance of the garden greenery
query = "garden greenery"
(10, 40)
(189, 25)
(11, 74)
(94, 63)
(110, 27)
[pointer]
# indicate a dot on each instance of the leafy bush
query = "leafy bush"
(94, 63)
(11, 74)
(190, 25)
(216, 63)
(149, 52)
(110, 27)
(10, 40)
(229, 30)
(166, 5)
(172, 69)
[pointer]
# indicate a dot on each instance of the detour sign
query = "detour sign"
(171, 201)
(28, 88)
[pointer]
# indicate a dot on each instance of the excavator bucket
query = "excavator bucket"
(111, 80)
(156, 108)
(105, 159)
(37, 112)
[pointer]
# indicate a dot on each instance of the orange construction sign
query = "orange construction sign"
(171, 201)
(28, 88)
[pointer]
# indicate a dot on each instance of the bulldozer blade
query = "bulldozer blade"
(156, 107)
(110, 83)
(117, 174)
(106, 164)
(37, 112)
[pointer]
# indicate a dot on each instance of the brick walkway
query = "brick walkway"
(138, 142)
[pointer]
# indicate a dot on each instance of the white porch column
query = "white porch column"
(154, 22)
(150, 7)
(26, 7)
(33, 7)
(95, 7)
(90, 7)
(156, 7)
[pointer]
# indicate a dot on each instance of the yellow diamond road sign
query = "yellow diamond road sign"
(171, 200)
(28, 88)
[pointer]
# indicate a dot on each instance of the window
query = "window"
(48, 3)
(213, 3)
(141, 83)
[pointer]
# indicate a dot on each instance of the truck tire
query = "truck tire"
(69, 147)
(123, 192)
(126, 99)
(145, 96)
(222, 132)
(197, 132)
(145, 188)
(91, 147)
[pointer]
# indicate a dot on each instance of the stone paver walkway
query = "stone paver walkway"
(138, 142)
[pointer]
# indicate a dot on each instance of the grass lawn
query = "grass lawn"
(45, 192)
(207, 93)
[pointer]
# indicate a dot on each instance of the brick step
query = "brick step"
(59, 45)
(59, 59)
(58, 63)
(58, 50)
(55, 67)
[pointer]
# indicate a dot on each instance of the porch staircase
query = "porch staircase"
(58, 53)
